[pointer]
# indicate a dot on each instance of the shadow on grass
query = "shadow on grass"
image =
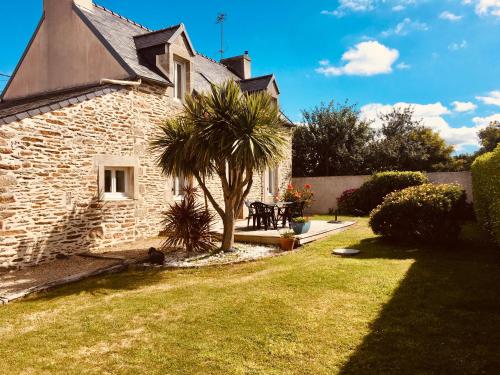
(104, 285)
(444, 318)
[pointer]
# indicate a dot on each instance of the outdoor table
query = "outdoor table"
(280, 210)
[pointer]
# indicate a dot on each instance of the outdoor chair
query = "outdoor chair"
(251, 211)
(293, 211)
(263, 215)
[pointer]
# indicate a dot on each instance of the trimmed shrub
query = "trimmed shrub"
(486, 188)
(373, 191)
(427, 213)
(347, 203)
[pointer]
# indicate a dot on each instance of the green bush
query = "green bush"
(427, 213)
(486, 188)
(373, 191)
(347, 203)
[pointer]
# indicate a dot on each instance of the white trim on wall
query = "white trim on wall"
(129, 165)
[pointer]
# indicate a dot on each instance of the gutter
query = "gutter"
(120, 82)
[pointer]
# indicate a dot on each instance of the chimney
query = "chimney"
(239, 65)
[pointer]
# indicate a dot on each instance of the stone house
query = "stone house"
(76, 121)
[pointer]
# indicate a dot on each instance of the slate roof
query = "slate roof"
(155, 38)
(20, 109)
(257, 83)
(208, 71)
(119, 33)
(124, 38)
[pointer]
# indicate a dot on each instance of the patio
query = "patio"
(319, 230)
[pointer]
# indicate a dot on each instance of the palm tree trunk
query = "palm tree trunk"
(228, 235)
(229, 222)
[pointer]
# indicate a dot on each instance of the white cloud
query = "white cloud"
(432, 117)
(485, 121)
(432, 113)
(404, 27)
(357, 5)
(364, 59)
(403, 66)
(449, 16)
(493, 98)
(351, 6)
(360, 6)
(488, 7)
(458, 46)
(464, 106)
(485, 7)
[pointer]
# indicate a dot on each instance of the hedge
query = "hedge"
(427, 213)
(373, 191)
(486, 189)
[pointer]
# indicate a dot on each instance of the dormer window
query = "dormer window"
(179, 80)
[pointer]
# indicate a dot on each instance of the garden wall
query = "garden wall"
(328, 189)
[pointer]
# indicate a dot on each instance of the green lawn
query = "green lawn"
(392, 310)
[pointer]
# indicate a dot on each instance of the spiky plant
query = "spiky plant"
(188, 224)
(227, 134)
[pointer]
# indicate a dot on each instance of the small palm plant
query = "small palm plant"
(188, 224)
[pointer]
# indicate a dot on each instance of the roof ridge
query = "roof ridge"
(160, 30)
(210, 59)
(259, 77)
(122, 17)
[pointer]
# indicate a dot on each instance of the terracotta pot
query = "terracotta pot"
(287, 244)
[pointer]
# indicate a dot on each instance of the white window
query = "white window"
(179, 80)
(180, 183)
(117, 183)
(272, 181)
(118, 176)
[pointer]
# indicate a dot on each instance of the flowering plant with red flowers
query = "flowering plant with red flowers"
(292, 194)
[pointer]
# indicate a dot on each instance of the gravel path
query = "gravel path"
(12, 282)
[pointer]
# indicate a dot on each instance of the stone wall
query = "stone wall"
(328, 189)
(49, 194)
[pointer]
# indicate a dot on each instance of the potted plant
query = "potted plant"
(293, 194)
(300, 225)
(287, 240)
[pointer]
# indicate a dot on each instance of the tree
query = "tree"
(225, 134)
(489, 137)
(332, 141)
(404, 143)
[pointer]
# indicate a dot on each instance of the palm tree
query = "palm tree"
(227, 134)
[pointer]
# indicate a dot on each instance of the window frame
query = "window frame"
(113, 194)
(272, 181)
(177, 187)
(183, 84)
(129, 163)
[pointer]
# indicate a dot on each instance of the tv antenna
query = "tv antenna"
(221, 19)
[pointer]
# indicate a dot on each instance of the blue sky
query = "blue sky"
(440, 56)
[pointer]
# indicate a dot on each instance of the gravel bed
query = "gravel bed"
(241, 253)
